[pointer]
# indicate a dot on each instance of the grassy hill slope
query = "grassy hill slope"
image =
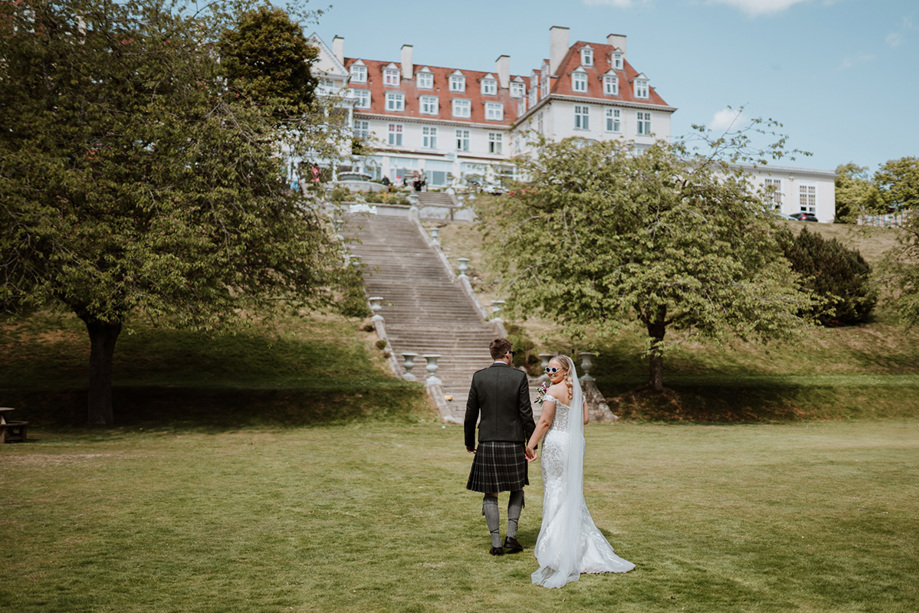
(865, 371)
(299, 370)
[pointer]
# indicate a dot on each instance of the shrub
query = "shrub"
(387, 198)
(839, 276)
(524, 349)
(340, 193)
(352, 298)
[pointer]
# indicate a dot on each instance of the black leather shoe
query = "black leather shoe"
(497, 551)
(512, 546)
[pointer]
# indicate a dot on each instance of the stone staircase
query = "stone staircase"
(435, 199)
(424, 309)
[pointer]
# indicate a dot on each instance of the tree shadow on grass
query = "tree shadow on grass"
(720, 400)
(222, 409)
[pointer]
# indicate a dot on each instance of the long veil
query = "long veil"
(570, 516)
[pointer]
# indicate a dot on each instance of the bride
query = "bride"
(569, 542)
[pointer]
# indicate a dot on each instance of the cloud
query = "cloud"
(851, 61)
(727, 120)
(895, 39)
(619, 4)
(755, 8)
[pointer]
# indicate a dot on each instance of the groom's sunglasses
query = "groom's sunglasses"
(551, 369)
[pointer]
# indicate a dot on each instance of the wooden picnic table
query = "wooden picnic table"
(11, 431)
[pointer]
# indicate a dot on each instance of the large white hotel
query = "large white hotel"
(456, 123)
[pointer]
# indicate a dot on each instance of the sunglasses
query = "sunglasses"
(552, 369)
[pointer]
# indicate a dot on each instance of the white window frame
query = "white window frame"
(429, 105)
(807, 198)
(489, 87)
(391, 77)
(462, 107)
(617, 60)
(462, 140)
(641, 88)
(361, 128)
(539, 122)
(773, 196)
(394, 135)
(610, 85)
(643, 123)
(494, 111)
(579, 81)
(581, 117)
(457, 83)
(614, 120)
(425, 80)
(358, 73)
(517, 90)
(395, 101)
(587, 56)
(361, 98)
(429, 137)
(495, 143)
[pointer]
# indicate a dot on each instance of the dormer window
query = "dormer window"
(641, 87)
(391, 76)
(610, 85)
(429, 105)
(358, 73)
(457, 82)
(462, 108)
(395, 101)
(425, 79)
(617, 60)
(517, 89)
(489, 86)
(494, 111)
(587, 56)
(579, 81)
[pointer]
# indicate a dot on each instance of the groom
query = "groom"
(499, 394)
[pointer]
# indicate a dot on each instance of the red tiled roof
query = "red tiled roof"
(441, 89)
(602, 65)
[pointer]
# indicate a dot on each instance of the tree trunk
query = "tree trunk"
(656, 330)
(102, 337)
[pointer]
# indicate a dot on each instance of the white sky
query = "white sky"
(840, 75)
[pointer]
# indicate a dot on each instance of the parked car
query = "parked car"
(802, 216)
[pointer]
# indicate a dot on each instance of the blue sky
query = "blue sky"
(840, 75)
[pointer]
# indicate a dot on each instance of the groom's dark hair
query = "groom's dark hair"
(499, 347)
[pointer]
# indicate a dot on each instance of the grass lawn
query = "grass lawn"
(374, 517)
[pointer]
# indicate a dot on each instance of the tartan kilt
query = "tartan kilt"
(498, 466)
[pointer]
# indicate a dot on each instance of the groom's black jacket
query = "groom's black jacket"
(502, 396)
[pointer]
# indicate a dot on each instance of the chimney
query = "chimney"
(338, 48)
(617, 41)
(407, 66)
(558, 47)
(503, 68)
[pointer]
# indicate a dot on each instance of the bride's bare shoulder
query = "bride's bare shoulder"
(559, 391)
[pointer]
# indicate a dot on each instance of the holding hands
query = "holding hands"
(530, 453)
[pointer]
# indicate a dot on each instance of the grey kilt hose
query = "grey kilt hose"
(498, 466)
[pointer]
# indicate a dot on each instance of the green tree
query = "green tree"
(897, 182)
(600, 235)
(853, 192)
(838, 276)
(132, 182)
(265, 55)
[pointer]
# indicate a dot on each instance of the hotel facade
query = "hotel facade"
(461, 126)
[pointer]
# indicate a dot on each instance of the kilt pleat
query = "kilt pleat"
(498, 466)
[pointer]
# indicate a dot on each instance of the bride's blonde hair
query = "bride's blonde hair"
(568, 364)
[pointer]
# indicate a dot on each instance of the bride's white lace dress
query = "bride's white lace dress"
(569, 542)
